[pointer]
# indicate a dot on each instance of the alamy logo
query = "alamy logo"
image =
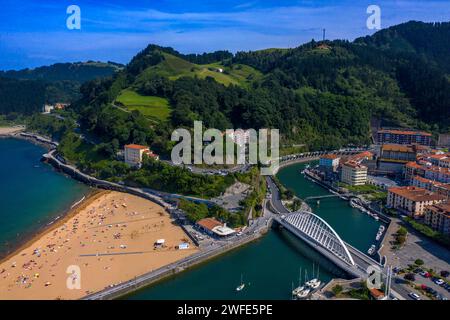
(73, 21)
(374, 20)
(236, 142)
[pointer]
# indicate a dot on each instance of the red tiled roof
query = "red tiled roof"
(135, 146)
(209, 223)
(443, 208)
(330, 156)
(414, 165)
(421, 179)
(354, 165)
(416, 194)
(151, 154)
(405, 132)
(377, 294)
(438, 156)
(397, 147)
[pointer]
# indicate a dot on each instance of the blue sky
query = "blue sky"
(34, 32)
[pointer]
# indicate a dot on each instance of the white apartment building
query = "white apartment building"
(134, 153)
(353, 173)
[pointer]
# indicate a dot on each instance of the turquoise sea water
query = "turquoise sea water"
(32, 194)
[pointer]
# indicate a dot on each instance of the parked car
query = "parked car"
(439, 282)
(425, 274)
(410, 276)
(445, 273)
(431, 291)
(423, 287)
(415, 296)
(418, 270)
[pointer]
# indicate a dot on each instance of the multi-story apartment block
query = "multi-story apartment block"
(397, 136)
(353, 173)
(438, 217)
(412, 200)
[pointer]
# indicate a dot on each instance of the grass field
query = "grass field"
(150, 106)
(174, 68)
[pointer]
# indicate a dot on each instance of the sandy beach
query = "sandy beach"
(6, 131)
(110, 238)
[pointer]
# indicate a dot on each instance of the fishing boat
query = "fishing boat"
(371, 250)
(241, 286)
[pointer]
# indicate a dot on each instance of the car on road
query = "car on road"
(413, 295)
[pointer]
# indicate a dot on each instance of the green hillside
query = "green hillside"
(150, 106)
(25, 91)
(174, 67)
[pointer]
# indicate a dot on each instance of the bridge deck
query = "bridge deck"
(361, 260)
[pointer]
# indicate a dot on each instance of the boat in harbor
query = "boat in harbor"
(302, 291)
(353, 204)
(371, 250)
(300, 287)
(303, 294)
(241, 286)
(380, 232)
(315, 282)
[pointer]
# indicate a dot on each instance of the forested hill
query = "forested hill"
(79, 72)
(25, 91)
(322, 94)
(430, 41)
(21, 96)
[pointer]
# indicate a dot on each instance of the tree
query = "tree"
(419, 262)
(337, 290)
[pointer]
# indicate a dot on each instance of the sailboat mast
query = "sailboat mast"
(300, 277)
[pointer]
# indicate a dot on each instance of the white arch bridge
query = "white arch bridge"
(321, 236)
